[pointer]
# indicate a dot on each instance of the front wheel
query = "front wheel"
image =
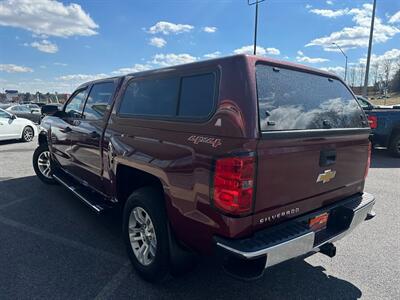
(395, 145)
(42, 164)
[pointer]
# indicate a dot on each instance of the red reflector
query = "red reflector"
(319, 222)
(373, 122)
(233, 184)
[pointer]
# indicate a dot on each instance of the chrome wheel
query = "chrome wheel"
(28, 134)
(44, 164)
(142, 236)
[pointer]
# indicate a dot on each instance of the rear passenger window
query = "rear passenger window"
(155, 97)
(197, 95)
(98, 100)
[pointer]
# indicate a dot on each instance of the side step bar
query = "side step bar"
(86, 196)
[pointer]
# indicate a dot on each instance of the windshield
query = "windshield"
(294, 100)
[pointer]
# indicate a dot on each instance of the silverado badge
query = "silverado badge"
(327, 176)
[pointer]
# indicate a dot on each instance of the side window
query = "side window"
(154, 97)
(3, 114)
(74, 107)
(197, 95)
(99, 98)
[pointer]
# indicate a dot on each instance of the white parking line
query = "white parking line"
(55, 238)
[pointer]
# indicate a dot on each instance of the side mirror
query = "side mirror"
(13, 117)
(49, 109)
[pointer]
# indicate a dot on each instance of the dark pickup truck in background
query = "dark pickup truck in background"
(385, 125)
(254, 160)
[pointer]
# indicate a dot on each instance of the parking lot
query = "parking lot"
(53, 247)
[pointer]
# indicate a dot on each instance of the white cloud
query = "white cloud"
(172, 59)
(81, 77)
(308, 6)
(44, 46)
(329, 2)
(60, 64)
(311, 60)
(168, 28)
(209, 29)
(134, 69)
(395, 18)
(260, 50)
(393, 55)
(337, 70)
(212, 55)
(328, 13)
(157, 42)
(47, 17)
(358, 35)
(11, 68)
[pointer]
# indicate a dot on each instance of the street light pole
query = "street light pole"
(255, 2)
(371, 35)
(344, 54)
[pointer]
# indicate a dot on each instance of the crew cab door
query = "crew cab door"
(61, 128)
(86, 135)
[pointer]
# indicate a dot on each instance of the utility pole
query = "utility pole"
(255, 2)
(345, 68)
(371, 35)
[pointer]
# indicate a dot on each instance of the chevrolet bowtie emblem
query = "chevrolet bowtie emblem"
(326, 176)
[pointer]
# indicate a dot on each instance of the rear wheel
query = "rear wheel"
(27, 134)
(395, 145)
(42, 164)
(145, 233)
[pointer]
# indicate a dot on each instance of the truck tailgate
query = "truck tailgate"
(296, 176)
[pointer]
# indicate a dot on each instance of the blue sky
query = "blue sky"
(56, 45)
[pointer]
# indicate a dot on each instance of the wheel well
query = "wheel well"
(129, 179)
(23, 129)
(395, 132)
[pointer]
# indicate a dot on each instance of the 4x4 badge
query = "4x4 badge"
(327, 176)
(196, 139)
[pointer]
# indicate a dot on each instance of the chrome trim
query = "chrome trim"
(305, 243)
(73, 190)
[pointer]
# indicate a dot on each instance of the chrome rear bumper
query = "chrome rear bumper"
(349, 213)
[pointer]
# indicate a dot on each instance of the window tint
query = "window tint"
(290, 100)
(74, 107)
(99, 98)
(197, 95)
(151, 97)
(24, 109)
(3, 114)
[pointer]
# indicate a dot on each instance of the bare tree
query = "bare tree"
(352, 77)
(386, 69)
(361, 73)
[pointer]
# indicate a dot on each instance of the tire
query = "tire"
(394, 146)
(42, 161)
(27, 134)
(146, 204)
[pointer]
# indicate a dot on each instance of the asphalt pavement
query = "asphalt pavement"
(53, 247)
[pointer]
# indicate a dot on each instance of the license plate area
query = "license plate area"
(319, 222)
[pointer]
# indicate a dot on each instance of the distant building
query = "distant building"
(11, 95)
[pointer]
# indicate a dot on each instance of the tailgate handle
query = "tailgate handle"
(327, 157)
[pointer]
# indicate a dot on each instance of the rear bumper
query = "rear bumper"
(294, 238)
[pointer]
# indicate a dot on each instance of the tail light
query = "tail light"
(234, 184)
(373, 122)
(368, 161)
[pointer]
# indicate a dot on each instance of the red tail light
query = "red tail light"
(234, 184)
(373, 122)
(368, 161)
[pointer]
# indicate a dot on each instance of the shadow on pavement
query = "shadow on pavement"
(381, 158)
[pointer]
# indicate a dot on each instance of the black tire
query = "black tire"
(394, 146)
(149, 199)
(27, 134)
(39, 172)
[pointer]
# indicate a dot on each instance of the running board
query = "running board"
(87, 196)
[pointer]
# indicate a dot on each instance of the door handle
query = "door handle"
(327, 157)
(94, 135)
(66, 129)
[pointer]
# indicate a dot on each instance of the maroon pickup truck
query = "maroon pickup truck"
(253, 160)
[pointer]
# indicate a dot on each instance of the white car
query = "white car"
(12, 127)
